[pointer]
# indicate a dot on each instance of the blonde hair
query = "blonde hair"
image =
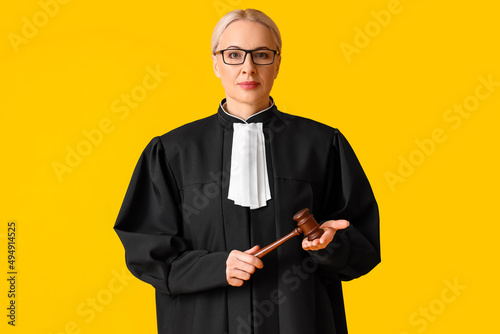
(248, 14)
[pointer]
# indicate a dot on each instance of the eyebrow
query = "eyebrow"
(238, 47)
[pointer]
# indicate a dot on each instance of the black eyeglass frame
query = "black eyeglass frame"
(245, 56)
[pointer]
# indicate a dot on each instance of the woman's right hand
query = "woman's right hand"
(241, 265)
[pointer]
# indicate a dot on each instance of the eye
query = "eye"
(262, 54)
(234, 54)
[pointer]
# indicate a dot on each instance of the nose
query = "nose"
(248, 66)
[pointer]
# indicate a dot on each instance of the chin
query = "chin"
(251, 94)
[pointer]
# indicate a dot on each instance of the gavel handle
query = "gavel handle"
(278, 242)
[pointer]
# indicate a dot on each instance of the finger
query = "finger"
(319, 243)
(253, 260)
(239, 274)
(314, 244)
(327, 236)
(252, 250)
(235, 282)
(336, 224)
(245, 267)
(306, 244)
(232, 272)
(341, 224)
(237, 258)
(318, 247)
(244, 257)
(310, 248)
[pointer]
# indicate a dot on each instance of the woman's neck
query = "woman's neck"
(245, 110)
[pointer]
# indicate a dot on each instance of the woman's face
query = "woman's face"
(247, 35)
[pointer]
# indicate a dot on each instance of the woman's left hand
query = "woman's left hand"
(330, 227)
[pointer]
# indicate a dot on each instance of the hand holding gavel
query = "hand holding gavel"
(241, 265)
(305, 224)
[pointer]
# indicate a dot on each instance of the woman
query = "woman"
(205, 196)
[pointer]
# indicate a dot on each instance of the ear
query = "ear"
(216, 66)
(277, 67)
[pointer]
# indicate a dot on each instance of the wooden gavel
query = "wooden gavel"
(305, 224)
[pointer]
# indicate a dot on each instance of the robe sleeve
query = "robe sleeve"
(149, 225)
(354, 251)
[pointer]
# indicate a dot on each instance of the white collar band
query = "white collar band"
(249, 181)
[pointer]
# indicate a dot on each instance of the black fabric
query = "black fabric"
(178, 227)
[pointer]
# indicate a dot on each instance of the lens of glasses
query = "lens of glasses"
(261, 57)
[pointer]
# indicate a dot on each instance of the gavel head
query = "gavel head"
(308, 225)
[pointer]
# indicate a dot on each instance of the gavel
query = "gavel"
(305, 224)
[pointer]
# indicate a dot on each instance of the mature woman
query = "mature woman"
(205, 196)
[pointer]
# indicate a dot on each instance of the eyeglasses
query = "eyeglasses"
(238, 56)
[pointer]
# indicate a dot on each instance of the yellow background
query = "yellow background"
(438, 227)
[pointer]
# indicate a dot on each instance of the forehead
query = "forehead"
(247, 35)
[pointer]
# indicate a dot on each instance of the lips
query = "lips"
(248, 84)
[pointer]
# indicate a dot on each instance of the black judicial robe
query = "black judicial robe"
(178, 227)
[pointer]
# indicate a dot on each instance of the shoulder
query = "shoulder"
(311, 128)
(189, 131)
(187, 140)
(187, 135)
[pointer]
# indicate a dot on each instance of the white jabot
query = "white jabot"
(248, 182)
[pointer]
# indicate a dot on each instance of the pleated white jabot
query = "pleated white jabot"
(249, 183)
